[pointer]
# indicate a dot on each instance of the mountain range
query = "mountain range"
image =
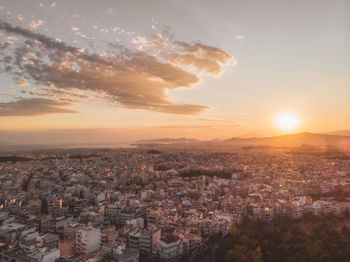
(168, 140)
(331, 139)
(339, 133)
(323, 140)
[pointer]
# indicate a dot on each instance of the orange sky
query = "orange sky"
(160, 69)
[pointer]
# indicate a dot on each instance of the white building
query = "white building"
(45, 255)
(170, 248)
(149, 239)
(88, 240)
(100, 197)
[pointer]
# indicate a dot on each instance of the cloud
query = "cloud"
(34, 107)
(140, 40)
(22, 83)
(216, 120)
(202, 57)
(32, 91)
(134, 80)
(184, 127)
(9, 41)
(81, 35)
(35, 24)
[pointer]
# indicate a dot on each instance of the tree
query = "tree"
(234, 232)
(249, 242)
(238, 254)
(345, 230)
(255, 256)
(242, 254)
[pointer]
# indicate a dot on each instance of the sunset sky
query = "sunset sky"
(148, 69)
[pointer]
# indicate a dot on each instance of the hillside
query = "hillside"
(299, 139)
(339, 133)
(169, 140)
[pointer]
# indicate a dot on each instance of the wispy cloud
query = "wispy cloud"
(240, 37)
(216, 120)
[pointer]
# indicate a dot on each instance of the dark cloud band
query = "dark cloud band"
(34, 107)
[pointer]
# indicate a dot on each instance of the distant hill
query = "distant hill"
(339, 133)
(249, 135)
(294, 140)
(169, 140)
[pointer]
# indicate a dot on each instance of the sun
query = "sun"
(287, 121)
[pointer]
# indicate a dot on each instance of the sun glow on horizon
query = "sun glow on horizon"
(287, 121)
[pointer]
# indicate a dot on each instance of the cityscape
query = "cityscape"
(158, 131)
(159, 202)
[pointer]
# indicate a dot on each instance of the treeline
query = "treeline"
(83, 156)
(339, 193)
(210, 173)
(329, 154)
(154, 152)
(14, 158)
(312, 239)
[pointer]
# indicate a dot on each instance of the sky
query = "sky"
(148, 69)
